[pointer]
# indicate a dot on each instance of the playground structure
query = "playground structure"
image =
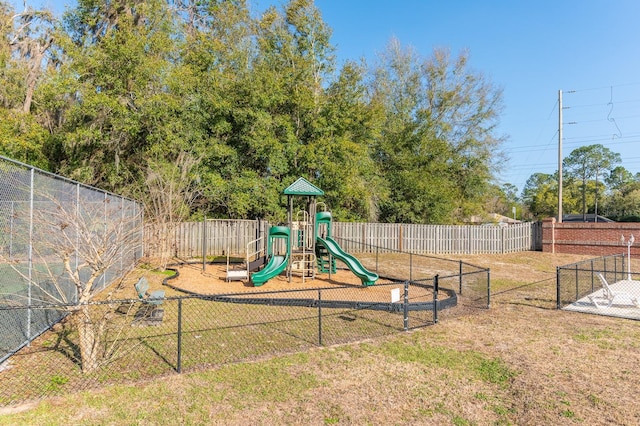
(277, 262)
(305, 247)
(255, 257)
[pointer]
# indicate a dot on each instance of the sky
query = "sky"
(588, 49)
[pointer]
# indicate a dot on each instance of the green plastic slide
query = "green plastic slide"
(367, 277)
(273, 268)
(276, 263)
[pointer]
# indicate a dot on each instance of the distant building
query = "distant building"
(590, 217)
(489, 218)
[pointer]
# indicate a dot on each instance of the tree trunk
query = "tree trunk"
(584, 200)
(88, 340)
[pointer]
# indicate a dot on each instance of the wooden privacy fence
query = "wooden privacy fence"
(216, 237)
(219, 237)
(439, 239)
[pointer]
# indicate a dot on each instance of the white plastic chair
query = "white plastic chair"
(614, 297)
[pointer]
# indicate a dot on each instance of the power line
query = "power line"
(599, 120)
(629, 135)
(619, 109)
(601, 88)
(600, 104)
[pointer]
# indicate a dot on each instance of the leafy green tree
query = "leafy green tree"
(502, 200)
(340, 154)
(618, 178)
(623, 201)
(572, 195)
(129, 120)
(22, 138)
(196, 107)
(624, 204)
(540, 195)
(590, 162)
(438, 149)
(115, 60)
(25, 40)
(275, 113)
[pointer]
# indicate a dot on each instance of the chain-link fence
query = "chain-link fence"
(50, 235)
(139, 340)
(578, 280)
(57, 239)
(603, 286)
(469, 282)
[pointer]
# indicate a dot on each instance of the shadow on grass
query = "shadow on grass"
(518, 299)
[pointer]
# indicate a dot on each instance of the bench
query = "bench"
(154, 298)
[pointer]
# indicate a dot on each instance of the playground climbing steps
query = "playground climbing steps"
(322, 256)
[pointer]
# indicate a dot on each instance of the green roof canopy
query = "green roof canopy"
(303, 187)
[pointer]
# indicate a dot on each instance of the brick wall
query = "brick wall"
(598, 239)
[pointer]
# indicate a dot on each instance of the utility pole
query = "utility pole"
(559, 156)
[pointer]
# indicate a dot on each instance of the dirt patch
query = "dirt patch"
(212, 280)
(14, 409)
(193, 279)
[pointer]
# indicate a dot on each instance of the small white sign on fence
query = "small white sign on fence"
(395, 295)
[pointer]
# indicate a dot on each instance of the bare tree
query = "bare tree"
(78, 247)
(170, 198)
(30, 42)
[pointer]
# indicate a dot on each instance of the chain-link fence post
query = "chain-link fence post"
(577, 284)
(410, 266)
(488, 288)
(11, 220)
(30, 260)
(320, 315)
(557, 287)
(436, 285)
(204, 242)
(78, 213)
(405, 306)
(179, 358)
(615, 266)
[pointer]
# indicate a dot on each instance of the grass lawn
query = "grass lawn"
(521, 362)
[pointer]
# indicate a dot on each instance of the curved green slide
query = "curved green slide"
(274, 267)
(367, 277)
(276, 263)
